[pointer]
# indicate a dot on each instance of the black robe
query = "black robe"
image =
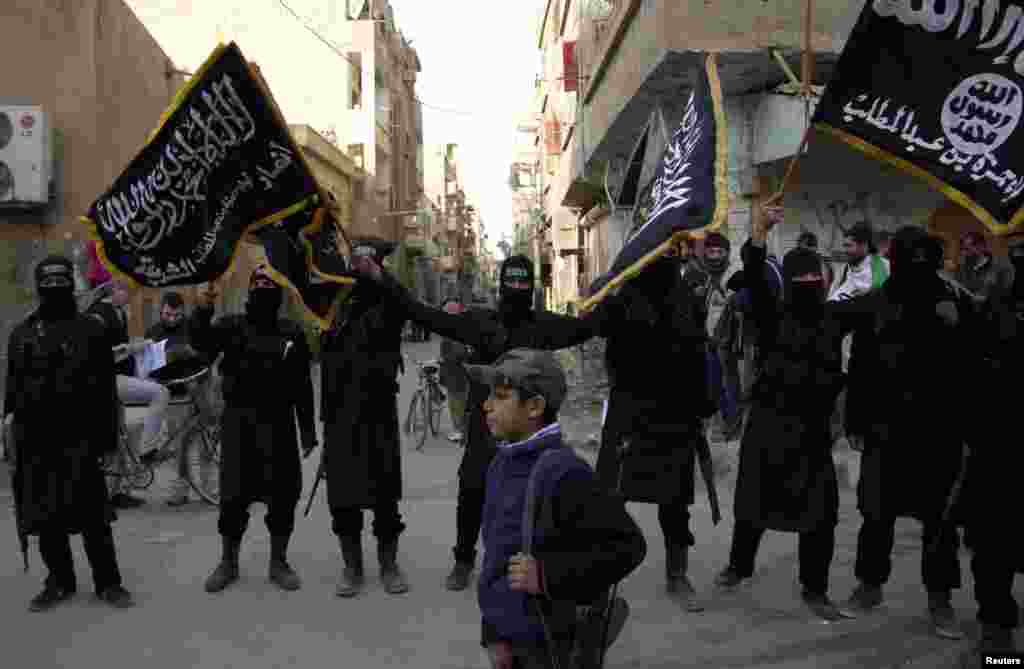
(917, 362)
(267, 384)
(61, 390)
(786, 479)
(359, 410)
(992, 498)
(663, 425)
(658, 397)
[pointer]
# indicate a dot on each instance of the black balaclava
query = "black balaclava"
(805, 299)
(515, 305)
(56, 302)
(916, 258)
(264, 303)
(717, 265)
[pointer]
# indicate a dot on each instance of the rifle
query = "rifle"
(707, 472)
(11, 445)
(316, 481)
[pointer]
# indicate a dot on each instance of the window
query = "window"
(355, 77)
(357, 10)
(355, 152)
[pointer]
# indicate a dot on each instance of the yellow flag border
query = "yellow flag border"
(722, 197)
(954, 194)
(176, 102)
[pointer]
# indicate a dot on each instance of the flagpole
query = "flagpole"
(807, 73)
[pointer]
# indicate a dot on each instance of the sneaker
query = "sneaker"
(281, 574)
(729, 578)
(943, 617)
(177, 500)
(50, 597)
(864, 598)
(459, 578)
(125, 501)
(117, 597)
(821, 606)
(455, 437)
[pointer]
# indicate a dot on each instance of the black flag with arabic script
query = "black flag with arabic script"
(305, 255)
(939, 94)
(220, 163)
(690, 188)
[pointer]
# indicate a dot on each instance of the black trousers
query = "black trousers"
(675, 524)
(940, 567)
(815, 550)
(387, 521)
(468, 516)
(993, 568)
(234, 517)
(55, 548)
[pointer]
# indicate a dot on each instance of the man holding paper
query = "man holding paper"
(110, 312)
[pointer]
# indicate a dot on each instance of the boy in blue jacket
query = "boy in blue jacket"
(583, 540)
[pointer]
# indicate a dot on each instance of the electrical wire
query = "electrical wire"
(338, 51)
(320, 37)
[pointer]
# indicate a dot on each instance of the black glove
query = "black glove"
(308, 443)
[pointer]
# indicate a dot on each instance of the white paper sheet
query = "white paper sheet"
(154, 356)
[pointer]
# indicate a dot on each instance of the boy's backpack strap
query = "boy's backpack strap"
(547, 457)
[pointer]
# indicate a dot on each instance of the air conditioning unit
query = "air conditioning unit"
(24, 157)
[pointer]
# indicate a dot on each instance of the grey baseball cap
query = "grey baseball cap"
(536, 372)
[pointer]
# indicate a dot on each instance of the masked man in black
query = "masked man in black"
(917, 346)
(787, 480)
(361, 359)
(60, 361)
(653, 324)
(267, 385)
(991, 495)
(488, 333)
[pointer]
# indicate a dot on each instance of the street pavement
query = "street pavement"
(166, 554)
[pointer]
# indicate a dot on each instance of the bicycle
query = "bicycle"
(199, 434)
(424, 415)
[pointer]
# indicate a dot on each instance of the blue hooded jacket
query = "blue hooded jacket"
(507, 612)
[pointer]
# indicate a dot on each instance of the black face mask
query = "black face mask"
(806, 299)
(263, 304)
(57, 302)
(514, 304)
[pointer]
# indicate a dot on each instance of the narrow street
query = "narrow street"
(166, 554)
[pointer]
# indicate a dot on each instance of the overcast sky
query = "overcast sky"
(478, 56)
(479, 60)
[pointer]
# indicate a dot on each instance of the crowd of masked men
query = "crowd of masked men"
(911, 350)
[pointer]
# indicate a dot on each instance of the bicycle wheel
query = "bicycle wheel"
(114, 467)
(139, 475)
(202, 463)
(434, 414)
(414, 415)
(424, 425)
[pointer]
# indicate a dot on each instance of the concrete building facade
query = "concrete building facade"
(632, 63)
(102, 80)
